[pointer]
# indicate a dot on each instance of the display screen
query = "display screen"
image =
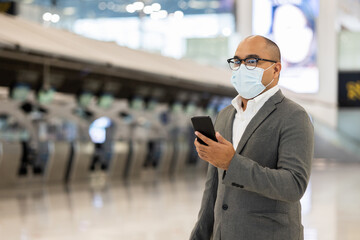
(291, 24)
(105, 101)
(152, 104)
(46, 96)
(137, 103)
(177, 107)
(85, 99)
(20, 92)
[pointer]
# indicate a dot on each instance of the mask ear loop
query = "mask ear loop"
(269, 67)
(272, 79)
(269, 83)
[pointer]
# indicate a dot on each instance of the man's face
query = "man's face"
(256, 46)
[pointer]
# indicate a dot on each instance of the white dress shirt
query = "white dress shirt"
(242, 118)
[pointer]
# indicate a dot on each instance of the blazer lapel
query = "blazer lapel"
(229, 124)
(261, 115)
(227, 130)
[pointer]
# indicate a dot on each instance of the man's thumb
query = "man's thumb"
(220, 138)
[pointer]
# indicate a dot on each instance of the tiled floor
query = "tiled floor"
(165, 209)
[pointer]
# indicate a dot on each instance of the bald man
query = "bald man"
(260, 167)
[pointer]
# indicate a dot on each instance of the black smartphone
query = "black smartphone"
(204, 125)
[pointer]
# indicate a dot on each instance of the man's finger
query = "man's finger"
(201, 150)
(203, 156)
(200, 145)
(205, 139)
(220, 138)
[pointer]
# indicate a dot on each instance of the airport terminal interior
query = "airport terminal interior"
(96, 98)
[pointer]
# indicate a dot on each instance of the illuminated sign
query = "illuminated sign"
(8, 7)
(353, 90)
(291, 24)
(349, 89)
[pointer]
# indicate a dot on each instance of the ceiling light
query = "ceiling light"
(178, 14)
(148, 9)
(130, 8)
(159, 15)
(55, 18)
(183, 5)
(47, 16)
(138, 5)
(102, 6)
(111, 5)
(156, 7)
(162, 14)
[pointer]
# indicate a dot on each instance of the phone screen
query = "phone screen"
(204, 125)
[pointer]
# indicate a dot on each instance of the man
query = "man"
(254, 192)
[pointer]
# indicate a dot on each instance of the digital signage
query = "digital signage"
(291, 24)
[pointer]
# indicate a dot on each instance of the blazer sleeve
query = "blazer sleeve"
(204, 226)
(289, 180)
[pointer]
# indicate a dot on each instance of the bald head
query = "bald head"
(267, 45)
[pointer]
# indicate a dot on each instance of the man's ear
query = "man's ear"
(277, 70)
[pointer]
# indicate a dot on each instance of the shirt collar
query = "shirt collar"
(255, 102)
(236, 102)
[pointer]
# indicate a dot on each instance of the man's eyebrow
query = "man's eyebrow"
(248, 56)
(252, 56)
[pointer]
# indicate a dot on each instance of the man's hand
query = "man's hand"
(219, 154)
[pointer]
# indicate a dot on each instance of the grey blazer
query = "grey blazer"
(258, 197)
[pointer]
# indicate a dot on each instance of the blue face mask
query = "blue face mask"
(248, 82)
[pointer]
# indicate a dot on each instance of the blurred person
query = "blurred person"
(254, 192)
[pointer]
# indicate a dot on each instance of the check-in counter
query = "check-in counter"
(119, 159)
(78, 168)
(136, 159)
(166, 158)
(181, 146)
(15, 134)
(10, 160)
(60, 153)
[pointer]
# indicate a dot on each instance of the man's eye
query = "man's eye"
(251, 61)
